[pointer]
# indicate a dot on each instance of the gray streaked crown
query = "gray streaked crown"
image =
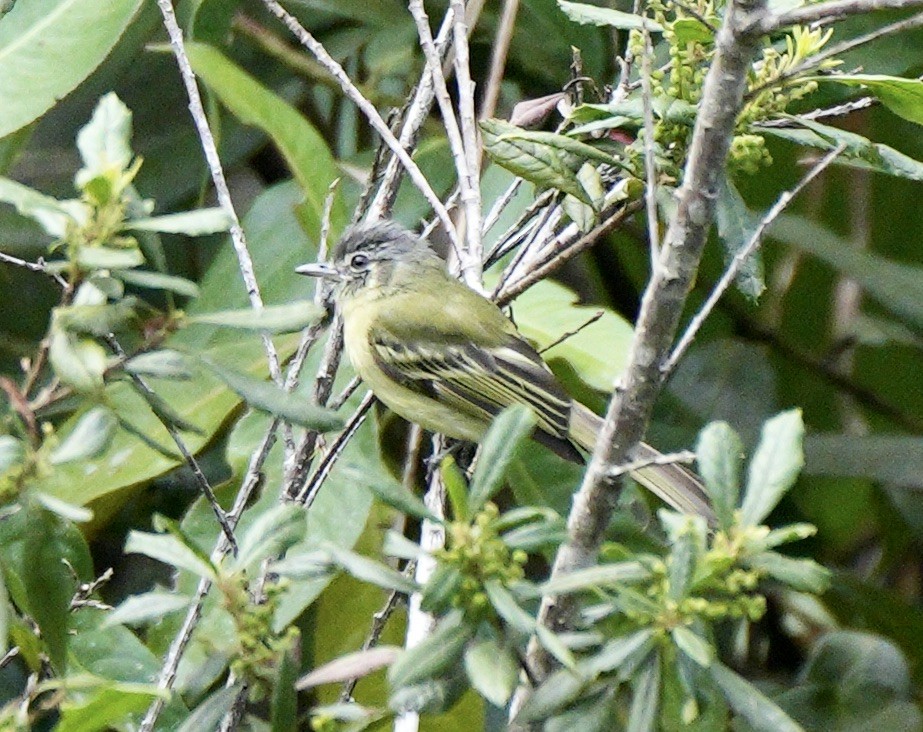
(384, 239)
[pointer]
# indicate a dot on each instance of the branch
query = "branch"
(368, 109)
(207, 140)
(634, 394)
(829, 12)
(742, 256)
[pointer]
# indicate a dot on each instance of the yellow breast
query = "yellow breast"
(359, 315)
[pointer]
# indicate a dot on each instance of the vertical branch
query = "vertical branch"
(207, 140)
(472, 255)
(633, 398)
(498, 58)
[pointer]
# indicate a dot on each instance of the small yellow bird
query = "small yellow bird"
(439, 354)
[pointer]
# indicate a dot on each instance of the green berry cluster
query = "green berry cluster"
(259, 648)
(476, 554)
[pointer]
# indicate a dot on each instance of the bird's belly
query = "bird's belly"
(409, 404)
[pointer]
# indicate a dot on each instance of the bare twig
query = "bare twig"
(467, 178)
(498, 59)
(650, 158)
(152, 400)
(743, 254)
(569, 334)
(838, 49)
(309, 491)
(559, 256)
(367, 109)
(40, 266)
(207, 141)
(432, 537)
(828, 12)
(683, 456)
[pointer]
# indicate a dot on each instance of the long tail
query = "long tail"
(672, 483)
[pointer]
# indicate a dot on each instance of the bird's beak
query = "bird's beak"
(325, 271)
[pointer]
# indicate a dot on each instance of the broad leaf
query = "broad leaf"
(775, 466)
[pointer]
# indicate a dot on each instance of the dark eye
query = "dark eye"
(359, 261)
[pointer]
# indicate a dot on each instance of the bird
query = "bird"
(440, 354)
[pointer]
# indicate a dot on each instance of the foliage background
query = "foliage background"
(837, 333)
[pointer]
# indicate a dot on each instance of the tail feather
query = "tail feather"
(672, 483)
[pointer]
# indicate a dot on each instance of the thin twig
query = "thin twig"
(501, 47)
(9, 656)
(417, 111)
(571, 333)
(838, 49)
(367, 109)
(432, 537)
(252, 479)
(554, 261)
(40, 266)
(743, 254)
(470, 192)
(150, 396)
(828, 12)
(309, 491)
(650, 159)
(207, 141)
(683, 456)
(467, 180)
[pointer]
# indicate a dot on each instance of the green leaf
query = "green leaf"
(593, 577)
(90, 436)
(719, 454)
(904, 97)
(272, 533)
(552, 643)
(288, 318)
(898, 287)
(299, 142)
(775, 466)
(368, 570)
(693, 30)
(209, 713)
(860, 152)
(158, 281)
(142, 609)
(388, 490)
(78, 362)
(53, 215)
(507, 608)
(745, 699)
(595, 15)
(508, 431)
(492, 669)
(436, 654)
(558, 691)
(283, 707)
(12, 452)
(108, 706)
(544, 158)
(268, 397)
(164, 364)
(456, 487)
(102, 257)
(105, 142)
(441, 588)
(805, 575)
(48, 581)
(736, 227)
(47, 47)
(645, 703)
(191, 223)
(625, 651)
(170, 549)
(351, 666)
(693, 645)
(68, 511)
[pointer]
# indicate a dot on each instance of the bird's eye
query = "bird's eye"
(359, 261)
